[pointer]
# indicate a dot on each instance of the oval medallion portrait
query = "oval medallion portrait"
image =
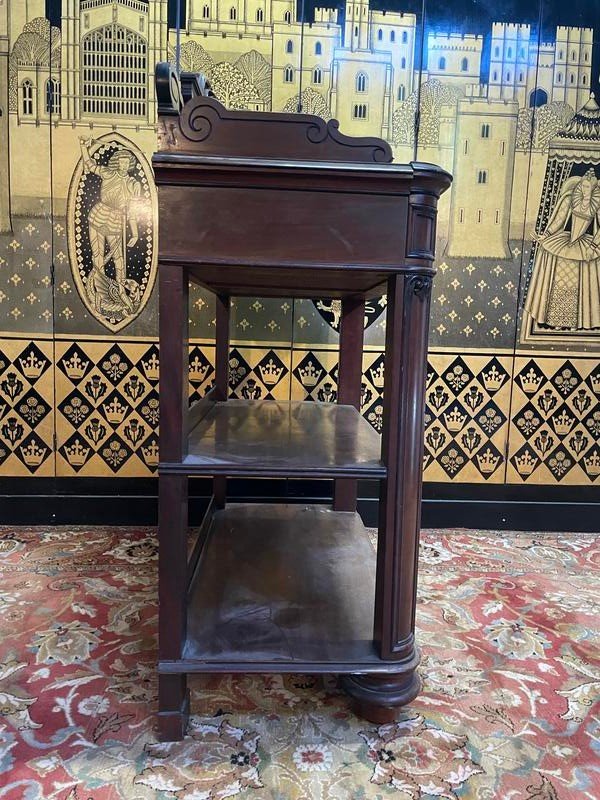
(112, 220)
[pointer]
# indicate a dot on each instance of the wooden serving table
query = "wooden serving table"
(284, 205)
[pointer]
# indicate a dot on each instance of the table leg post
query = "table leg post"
(349, 383)
(172, 694)
(400, 500)
(223, 306)
(173, 496)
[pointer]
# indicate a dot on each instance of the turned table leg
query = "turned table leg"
(378, 697)
(349, 383)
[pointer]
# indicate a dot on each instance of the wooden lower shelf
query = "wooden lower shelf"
(268, 438)
(283, 588)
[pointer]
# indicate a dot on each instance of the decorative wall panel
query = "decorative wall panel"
(26, 407)
(512, 384)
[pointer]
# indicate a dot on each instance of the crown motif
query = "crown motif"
(531, 381)
(77, 454)
(487, 461)
(563, 422)
(197, 370)
(150, 367)
(595, 383)
(31, 366)
(309, 375)
(377, 376)
(33, 454)
(114, 411)
(492, 379)
(526, 463)
(150, 454)
(270, 373)
(454, 420)
(75, 367)
(592, 464)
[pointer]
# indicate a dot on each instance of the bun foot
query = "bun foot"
(380, 698)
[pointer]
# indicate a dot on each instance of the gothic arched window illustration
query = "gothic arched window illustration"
(27, 97)
(287, 17)
(379, 35)
(288, 74)
(318, 49)
(232, 14)
(442, 63)
(401, 92)
(404, 37)
(115, 72)
(464, 65)
(289, 47)
(393, 36)
(317, 75)
(53, 96)
(260, 15)
(361, 82)
(538, 98)
(205, 12)
(403, 62)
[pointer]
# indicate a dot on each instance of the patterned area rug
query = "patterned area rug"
(509, 627)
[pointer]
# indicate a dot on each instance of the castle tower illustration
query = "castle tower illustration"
(538, 73)
(483, 172)
(373, 69)
(454, 58)
(572, 65)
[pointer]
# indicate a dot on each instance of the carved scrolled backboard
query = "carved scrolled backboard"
(340, 216)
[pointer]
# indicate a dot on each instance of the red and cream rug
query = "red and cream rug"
(509, 628)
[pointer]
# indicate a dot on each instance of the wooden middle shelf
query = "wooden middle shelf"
(283, 587)
(268, 438)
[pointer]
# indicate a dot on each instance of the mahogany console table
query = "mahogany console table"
(284, 205)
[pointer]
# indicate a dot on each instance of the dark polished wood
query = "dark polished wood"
(222, 326)
(349, 382)
(205, 126)
(285, 205)
(278, 583)
(268, 438)
(400, 496)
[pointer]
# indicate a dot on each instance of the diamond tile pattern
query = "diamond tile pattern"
(555, 425)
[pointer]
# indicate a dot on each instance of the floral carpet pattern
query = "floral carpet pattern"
(509, 628)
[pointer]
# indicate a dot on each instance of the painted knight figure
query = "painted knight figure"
(112, 229)
(565, 284)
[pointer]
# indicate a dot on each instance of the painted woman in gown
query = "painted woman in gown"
(565, 283)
